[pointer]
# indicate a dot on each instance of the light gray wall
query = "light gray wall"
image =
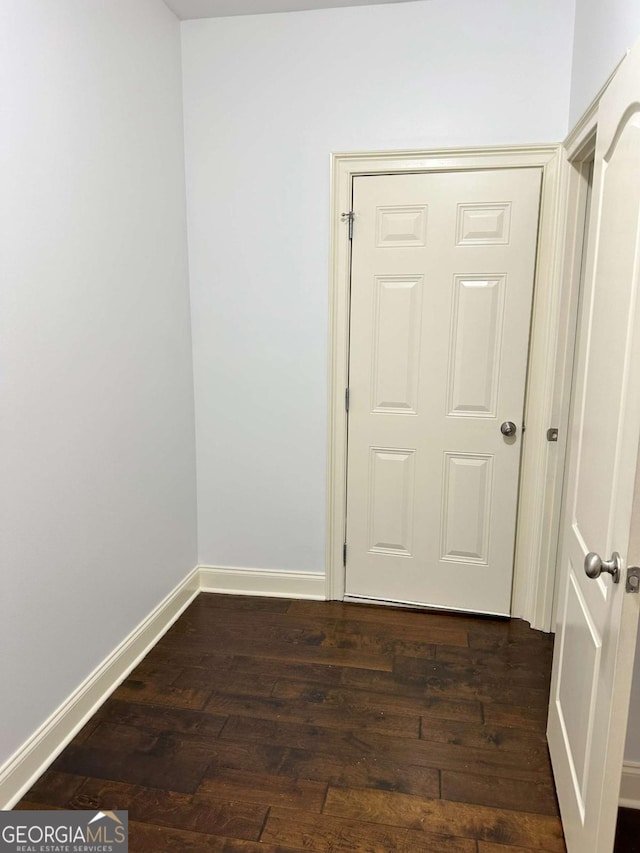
(97, 462)
(267, 98)
(603, 32)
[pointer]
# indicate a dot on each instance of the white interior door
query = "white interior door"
(441, 292)
(597, 619)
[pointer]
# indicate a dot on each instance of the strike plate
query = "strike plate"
(633, 579)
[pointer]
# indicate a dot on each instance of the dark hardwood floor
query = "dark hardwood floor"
(275, 725)
(628, 831)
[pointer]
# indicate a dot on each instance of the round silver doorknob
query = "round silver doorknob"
(508, 428)
(594, 565)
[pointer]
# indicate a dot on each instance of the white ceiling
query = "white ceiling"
(186, 9)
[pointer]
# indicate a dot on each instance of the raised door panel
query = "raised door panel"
(401, 225)
(391, 501)
(575, 693)
(604, 389)
(396, 344)
(476, 345)
(483, 224)
(466, 505)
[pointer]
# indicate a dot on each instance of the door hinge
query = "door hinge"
(344, 555)
(633, 579)
(346, 399)
(349, 217)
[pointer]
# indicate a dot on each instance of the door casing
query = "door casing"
(580, 148)
(548, 378)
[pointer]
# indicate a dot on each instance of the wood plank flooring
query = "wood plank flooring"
(263, 725)
(628, 831)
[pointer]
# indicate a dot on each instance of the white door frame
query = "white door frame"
(547, 380)
(580, 148)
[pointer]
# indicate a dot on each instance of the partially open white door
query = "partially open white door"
(597, 618)
(442, 269)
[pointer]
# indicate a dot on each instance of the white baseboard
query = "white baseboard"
(23, 768)
(19, 773)
(630, 786)
(266, 582)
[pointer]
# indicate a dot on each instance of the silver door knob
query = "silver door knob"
(594, 565)
(508, 428)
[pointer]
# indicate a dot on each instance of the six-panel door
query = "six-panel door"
(442, 280)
